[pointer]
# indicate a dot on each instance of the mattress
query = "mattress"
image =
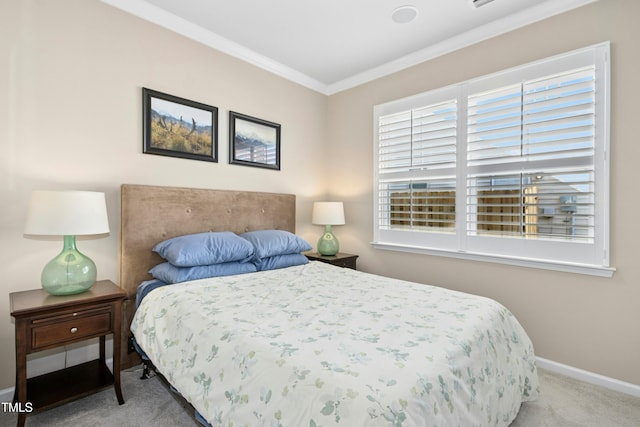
(317, 345)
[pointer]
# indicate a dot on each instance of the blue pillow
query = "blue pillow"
(281, 261)
(171, 274)
(204, 249)
(267, 243)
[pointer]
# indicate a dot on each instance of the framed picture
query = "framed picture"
(178, 127)
(253, 141)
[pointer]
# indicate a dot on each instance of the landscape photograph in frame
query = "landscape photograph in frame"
(178, 127)
(253, 141)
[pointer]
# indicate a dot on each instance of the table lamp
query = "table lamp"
(328, 214)
(68, 214)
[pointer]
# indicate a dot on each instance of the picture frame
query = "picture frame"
(253, 141)
(179, 127)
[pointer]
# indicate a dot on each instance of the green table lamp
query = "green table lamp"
(328, 214)
(68, 214)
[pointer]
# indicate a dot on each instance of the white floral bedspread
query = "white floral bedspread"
(317, 345)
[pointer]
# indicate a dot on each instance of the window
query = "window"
(511, 167)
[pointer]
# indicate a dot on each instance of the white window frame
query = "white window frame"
(577, 257)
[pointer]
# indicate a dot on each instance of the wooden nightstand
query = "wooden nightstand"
(340, 259)
(45, 321)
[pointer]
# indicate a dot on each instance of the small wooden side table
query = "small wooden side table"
(340, 259)
(45, 321)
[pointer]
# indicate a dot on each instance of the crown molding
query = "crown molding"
(471, 37)
(156, 15)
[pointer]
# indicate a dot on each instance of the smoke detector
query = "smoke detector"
(404, 14)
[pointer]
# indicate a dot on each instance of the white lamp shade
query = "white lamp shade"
(67, 213)
(328, 213)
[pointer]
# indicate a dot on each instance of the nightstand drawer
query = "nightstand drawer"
(74, 328)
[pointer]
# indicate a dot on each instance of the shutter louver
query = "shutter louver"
(434, 136)
(494, 126)
(395, 142)
(559, 116)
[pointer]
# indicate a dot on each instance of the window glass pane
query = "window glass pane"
(425, 205)
(559, 205)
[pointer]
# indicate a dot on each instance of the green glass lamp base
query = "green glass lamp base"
(328, 244)
(70, 272)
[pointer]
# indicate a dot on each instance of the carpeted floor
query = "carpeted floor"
(564, 403)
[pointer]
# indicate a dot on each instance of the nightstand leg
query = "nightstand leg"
(20, 395)
(117, 331)
(102, 349)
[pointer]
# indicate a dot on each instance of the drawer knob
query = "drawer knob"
(74, 330)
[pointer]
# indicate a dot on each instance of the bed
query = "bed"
(314, 344)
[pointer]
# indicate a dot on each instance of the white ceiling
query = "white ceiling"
(333, 45)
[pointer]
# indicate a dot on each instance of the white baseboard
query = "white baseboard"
(6, 395)
(589, 377)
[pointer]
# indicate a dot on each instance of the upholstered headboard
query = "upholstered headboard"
(151, 214)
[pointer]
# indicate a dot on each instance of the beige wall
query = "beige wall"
(71, 74)
(70, 118)
(587, 322)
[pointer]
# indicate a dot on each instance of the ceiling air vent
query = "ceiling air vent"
(478, 3)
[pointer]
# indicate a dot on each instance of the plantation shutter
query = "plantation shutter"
(511, 167)
(416, 163)
(531, 158)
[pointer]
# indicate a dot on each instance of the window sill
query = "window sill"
(591, 270)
